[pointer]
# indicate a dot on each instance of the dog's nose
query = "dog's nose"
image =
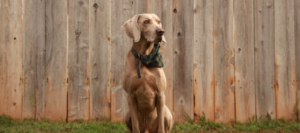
(160, 32)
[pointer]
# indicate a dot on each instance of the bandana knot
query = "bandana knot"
(153, 59)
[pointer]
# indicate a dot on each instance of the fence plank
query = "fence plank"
(100, 48)
(164, 11)
(244, 59)
(297, 47)
(2, 34)
(56, 60)
(183, 59)
(141, 6)
(34, 59)
(78, 61)
(223, 60)
(203, 59)
(264, 58)
(285, 70)
(120, 46)
(11, 58)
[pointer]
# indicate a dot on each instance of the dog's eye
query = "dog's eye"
(146, 21)
(158, 21)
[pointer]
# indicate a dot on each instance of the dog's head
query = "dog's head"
(146, 25)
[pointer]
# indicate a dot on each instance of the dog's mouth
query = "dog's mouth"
(158, 39)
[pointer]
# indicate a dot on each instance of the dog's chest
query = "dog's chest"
(145, 90)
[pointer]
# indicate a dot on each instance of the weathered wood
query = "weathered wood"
(203, 59)
(244, 59)
(183, 30)
(2, 34)
(120, 45)
(100, 65)
(164, 11)
(34, 59)
(141, 6)
(297, 46)
(223, 60)
(11, 58)
(264, 57)
(285, 70)
(78, 61)
(56, 60)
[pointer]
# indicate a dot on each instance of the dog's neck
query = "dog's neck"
(143, 47)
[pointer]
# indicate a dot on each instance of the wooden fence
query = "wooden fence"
(228, 59)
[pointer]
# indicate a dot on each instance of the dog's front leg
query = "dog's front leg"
(133, 112)
(160, 103)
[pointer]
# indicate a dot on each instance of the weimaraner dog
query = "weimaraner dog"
(144, 79)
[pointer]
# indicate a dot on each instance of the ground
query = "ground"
(9, 125)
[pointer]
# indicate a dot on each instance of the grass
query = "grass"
(9, 125)
(262, 124)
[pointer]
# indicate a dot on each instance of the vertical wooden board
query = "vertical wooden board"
(56, 60)
(223, 60)
(2, 46)
(11, 58)
(141, 6)
(121, 11)
(203, 59)
(285, 75)
(264, 57)
(183, 22)
(78, 60)
(244, 59)
(164, 12)
(297, 46)
(100, 50)
(34, 59)
(2, 34)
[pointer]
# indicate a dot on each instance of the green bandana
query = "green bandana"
(153, 59)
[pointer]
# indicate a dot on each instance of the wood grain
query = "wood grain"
(78, 61)
(297, 47)
(141, 6)
(34, 59)
(56, 60)
(183, 31)
(120, 45)
(100, 58)
(244, 59)
(223, 61)
(11, 58)
(203, 59)
(164, 12)
(264, 57)
(285, 71)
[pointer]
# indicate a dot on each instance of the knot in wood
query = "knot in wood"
(77, 32)
(81, 2)
(95, 6)
(175, 10)
(108, 104)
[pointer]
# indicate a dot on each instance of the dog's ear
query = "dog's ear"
(132, 29)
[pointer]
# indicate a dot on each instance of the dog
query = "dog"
(145, 84)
